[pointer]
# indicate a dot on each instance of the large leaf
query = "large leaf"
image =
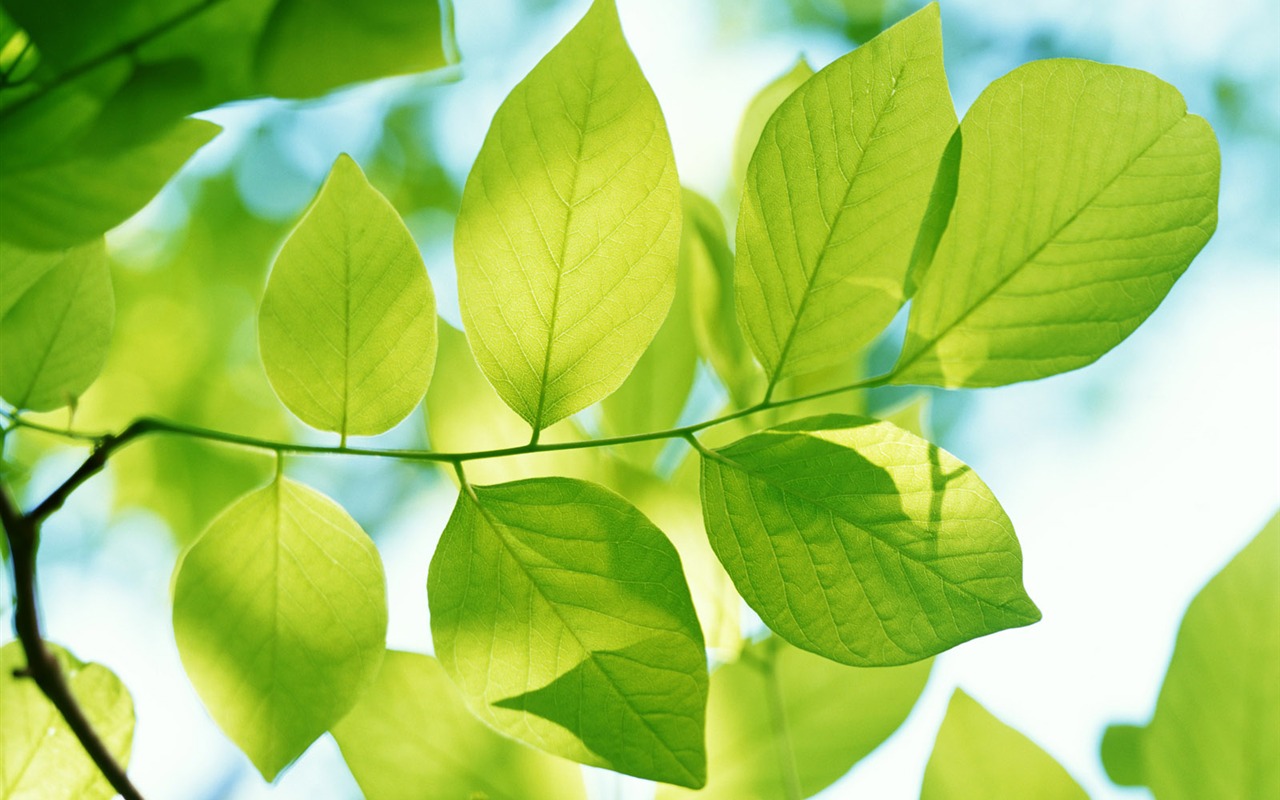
(1083, 192)
(567, 238)
(411, 730)
(280, 612)
(1216, 728)
(861, 542)
(834, 195)
(785, 723)
(39, 755)
(563, 615)
(348, 321)
(56, 314)
(977, 755)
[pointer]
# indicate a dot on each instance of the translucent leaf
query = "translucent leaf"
(563, 615)
(348, 322)
(861, 542)
(1082, 192)
(782, 722)
(39, 755)
(280, 613)
(977, 755)
(569, 230)
(834, 195)
(1216, 728)
(757, 114)
(412, 730)
(56, 314)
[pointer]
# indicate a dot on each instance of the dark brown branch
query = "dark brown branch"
(91, 466)
(23, 533)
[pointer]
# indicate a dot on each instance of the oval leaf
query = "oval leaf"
(56, 314)
(412, 730)
(1083, 192)
(280, 612)
(834, 195)
(347, 327)
(39, 755)
(861, 542)
(563, 615)
(567, 237)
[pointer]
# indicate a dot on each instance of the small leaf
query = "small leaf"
(1083, 191)
(977, 755)
(780, 717)
(412, 730)
(39, 755)
(347, 327)
(56, 314)
(861, 542)
(757, 114)
(280, 613)
(1122, 755)
(563, 615)
(834, 195)
(569, 229)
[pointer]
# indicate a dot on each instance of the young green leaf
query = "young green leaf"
(56, 314)
(412, 730)
(569, 229)
(39, 755)
(563, 615)
(977, 755)
(1216, 728)
(1083, 192)
(861, 542)
(785, 723)
(757, 114)
(834, 195)
(347, 327)
(280, 613)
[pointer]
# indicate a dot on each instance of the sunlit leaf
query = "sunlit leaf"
(567, 240)
(348, 321)
(757, 114)
(861, 542)
(563, 615)
(411, 730)
(280, 612)
(1083, 192)
(39, 755)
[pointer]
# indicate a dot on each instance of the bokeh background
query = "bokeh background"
(1130, 482)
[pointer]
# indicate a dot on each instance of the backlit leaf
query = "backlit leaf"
(757, 114)
(569, 230)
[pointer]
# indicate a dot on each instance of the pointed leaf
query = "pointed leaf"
(834, 195)
(412, 730)
(280, 613)
(861, 542)
(39, 755)
(563, 615)
(1083, 192)
(567, 238)
(757, 114)
(977, 755)
(348, 322)
(56, 314)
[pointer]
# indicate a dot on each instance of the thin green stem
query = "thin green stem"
(778, 719)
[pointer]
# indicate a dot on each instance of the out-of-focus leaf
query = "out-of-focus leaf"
(756, 115)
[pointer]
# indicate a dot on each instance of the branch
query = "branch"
(23, 533)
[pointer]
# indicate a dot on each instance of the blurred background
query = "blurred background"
(1130, 482)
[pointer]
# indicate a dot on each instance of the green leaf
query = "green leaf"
(39, 755)
(757, 114)
(56, 314)
(347, 327)
(1083, 192)
(785, 723)
(1216, 728)
(977, 755)
(372, 39)
(861, 542)
(280, 613)
(78, 194)
(568, 235)
(834, 195)
(563, 615)
(412, 730)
